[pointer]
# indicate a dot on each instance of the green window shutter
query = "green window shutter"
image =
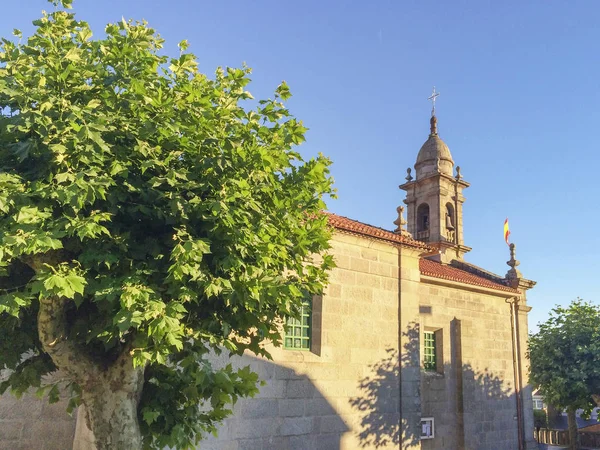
(298, 331)
(429, 351)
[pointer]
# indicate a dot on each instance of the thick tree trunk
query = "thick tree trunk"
(110, 394)
(573, 435)
(110, 413)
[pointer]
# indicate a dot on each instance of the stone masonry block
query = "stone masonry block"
(302, 442)
(286, 373)
(370, 280)
(300, 389)
(328, 442)
(359, 265)
(25, 407)
(57, 432)
(389, 284)
(318, 407)
(389, 257)
(333, 290)
(10, 430)
(342, 261)
(369, 254)
(357, 293)
(334, 305)
(55, 411)
(272, 389)
(251, 444)
(343, 277)
(213, 445)
(386, 270)
(331, 424)
(293, 407)
(296, 426)
(259, 408)
(255, 428)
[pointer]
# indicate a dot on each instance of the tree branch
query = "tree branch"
(52, 331)
(52, 258)
(123, 376)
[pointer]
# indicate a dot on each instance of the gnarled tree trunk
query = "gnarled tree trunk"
(108, 417)
(111, 409)
(110, 395)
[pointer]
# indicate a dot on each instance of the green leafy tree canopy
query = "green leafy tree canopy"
(565, 357)
(148, 217)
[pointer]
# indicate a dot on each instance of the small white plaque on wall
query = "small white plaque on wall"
(427, 428)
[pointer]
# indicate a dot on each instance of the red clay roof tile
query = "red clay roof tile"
(354, 226)
(439, 270)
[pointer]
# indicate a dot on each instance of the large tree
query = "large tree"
(147, 219)
(565, 360)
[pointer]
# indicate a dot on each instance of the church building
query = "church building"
(409, 347)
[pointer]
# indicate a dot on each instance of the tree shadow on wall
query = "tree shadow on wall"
(384, 426)
(379, 403)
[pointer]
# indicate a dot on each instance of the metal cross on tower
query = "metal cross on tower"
(432, 97)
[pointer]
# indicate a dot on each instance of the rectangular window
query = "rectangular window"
(538, 404)
(429, 351)
(298, 331)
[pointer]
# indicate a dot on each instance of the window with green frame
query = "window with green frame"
(429, 351)
(298, 331)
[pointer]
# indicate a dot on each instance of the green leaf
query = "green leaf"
(166, 216)
(73, 54)
(76, 282)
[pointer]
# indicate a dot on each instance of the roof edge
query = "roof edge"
(479, 271)
(448, 282)
(363, 229)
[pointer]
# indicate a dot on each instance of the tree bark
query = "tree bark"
(110, 394)
(111, 411)
(53, 334)
(573, 434)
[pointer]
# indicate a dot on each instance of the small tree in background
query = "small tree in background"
(146, 219)
(565, 360)
(540, 419)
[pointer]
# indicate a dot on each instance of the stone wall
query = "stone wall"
(362, 385)
(348, 395)
(30, 423)
(471, 396)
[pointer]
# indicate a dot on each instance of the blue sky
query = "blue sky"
(518, 107)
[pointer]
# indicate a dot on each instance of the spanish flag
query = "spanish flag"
(506, 231)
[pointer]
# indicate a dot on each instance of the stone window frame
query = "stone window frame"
(429, 351)
(438, 351)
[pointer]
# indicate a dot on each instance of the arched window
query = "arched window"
(450, 223)
(423, 217)
(450, 220)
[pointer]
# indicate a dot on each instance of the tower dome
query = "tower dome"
(434, 156)
(434, 199)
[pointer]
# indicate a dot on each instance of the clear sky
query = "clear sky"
(519, 85)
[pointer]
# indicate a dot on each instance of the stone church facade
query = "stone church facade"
(409, 346)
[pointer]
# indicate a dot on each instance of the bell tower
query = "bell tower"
(434, 198)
